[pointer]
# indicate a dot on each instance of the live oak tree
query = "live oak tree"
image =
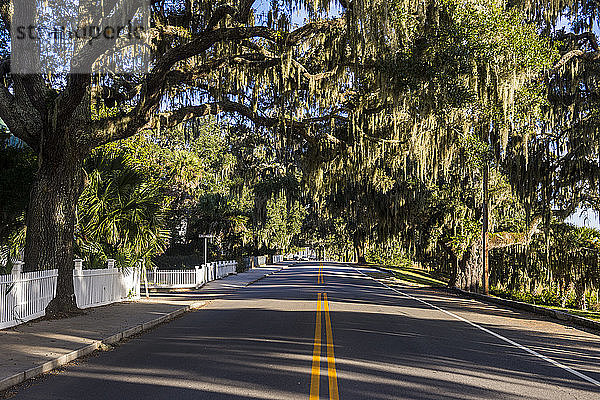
(451, 69)
(294, 79)
(499, 70)
(554, 166)
(542, 130)
(205, 59)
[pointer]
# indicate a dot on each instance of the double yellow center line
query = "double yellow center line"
(320, 276)
(316, 359)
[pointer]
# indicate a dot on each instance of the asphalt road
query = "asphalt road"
(368, 342)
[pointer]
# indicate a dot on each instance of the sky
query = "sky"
(587, 218)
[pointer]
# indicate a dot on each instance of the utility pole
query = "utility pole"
(484, 234)
(486, 217)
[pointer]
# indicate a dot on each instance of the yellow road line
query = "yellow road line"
(316, 359)
(331, 372)
(320, 276)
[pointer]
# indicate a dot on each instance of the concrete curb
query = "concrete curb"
(48, 366)
(263, 277)
(556, 314)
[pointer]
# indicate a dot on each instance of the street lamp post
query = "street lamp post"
(206, 237)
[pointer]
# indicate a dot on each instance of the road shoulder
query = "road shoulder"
(574, 347)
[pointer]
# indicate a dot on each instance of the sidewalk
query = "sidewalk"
(33, 348)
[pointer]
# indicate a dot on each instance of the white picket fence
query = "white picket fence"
(24, 296)
(98, 287)
(174, 279)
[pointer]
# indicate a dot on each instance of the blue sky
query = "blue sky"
(587, 218)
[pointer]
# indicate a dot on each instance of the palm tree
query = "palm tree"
(121, 213)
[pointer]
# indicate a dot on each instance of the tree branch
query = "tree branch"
(153, 88)
(180, 115)
(254, 60)
(21, 122)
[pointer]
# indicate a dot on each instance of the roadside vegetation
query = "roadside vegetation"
(147, 199)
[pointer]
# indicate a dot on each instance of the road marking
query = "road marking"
(331, 372)
(315, 375)
(316, 359)
(497, 335)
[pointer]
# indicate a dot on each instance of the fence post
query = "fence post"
(17, 268)
(144, 272)
(16, 272)
(78, 284)
(110, 264)
(136, 279)
(198, 278)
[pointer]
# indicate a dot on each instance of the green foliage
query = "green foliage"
(283, 223)
(196, 167)
(431, 111)
(568, 265)
(121, 212)
(229, 182)
(191, 159)
(547, 297)
(576, 255)
(328, 235)
(389, 254)
(17, 169)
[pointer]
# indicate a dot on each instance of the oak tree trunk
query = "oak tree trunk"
(51, 220)
(580, 294)
(359, 249)
(469, 269)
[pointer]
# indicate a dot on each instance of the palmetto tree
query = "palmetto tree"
(121, 213)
